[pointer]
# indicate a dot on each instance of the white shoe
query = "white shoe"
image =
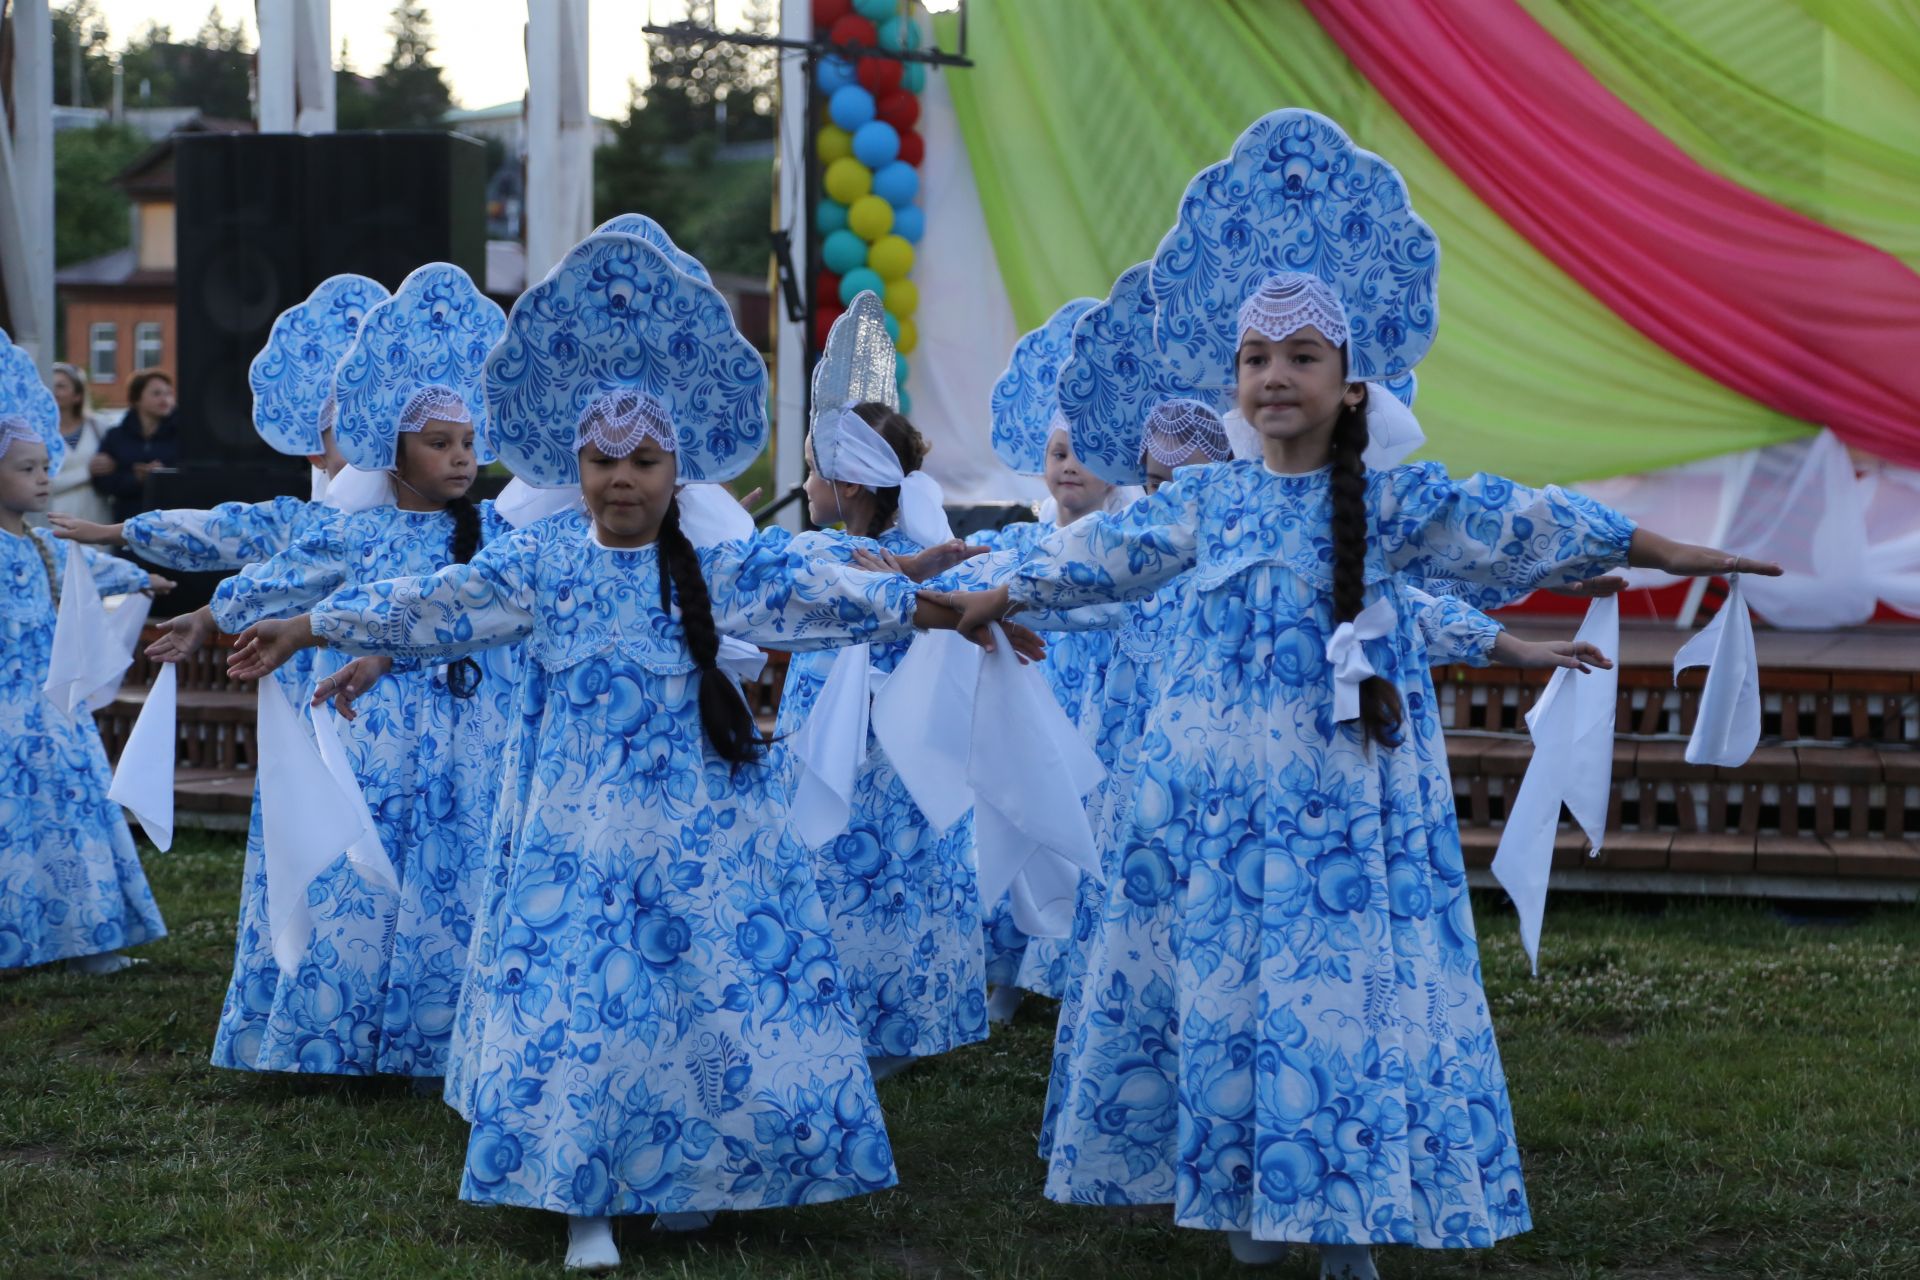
(695, 1221)
(1347, 1262)
(1004, 1003)
(590, 1244)
(104, 963)
(1255, 1253)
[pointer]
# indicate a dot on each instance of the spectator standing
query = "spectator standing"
(146, 438)
(83, 429)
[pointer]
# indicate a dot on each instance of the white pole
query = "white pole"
(275, 103)
(313, 67)
(559, 133)
(790, 343)
(26, 184)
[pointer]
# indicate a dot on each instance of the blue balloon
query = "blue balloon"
(876, 144)
(914, 78)
(898, 36)
(906, 404)
(893, 325)
(859, 281)
(909, 223)
(833, 74)
(850, 106)
(897, 184)
(843, 251)
(829, 216)
(900, 369)
(875, 9)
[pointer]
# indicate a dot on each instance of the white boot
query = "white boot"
(1004, 1003)
(699, 1220)
(104, 963)
(1255, 1253)
(590, 1244)
(1346, 1262)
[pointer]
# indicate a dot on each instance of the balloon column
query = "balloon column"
(869, 154)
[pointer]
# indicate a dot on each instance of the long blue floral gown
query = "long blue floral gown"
(665, 1026)
(71, 884)
(380, 977)
(1112, 1114)
(903, 897)
(1336, 1075)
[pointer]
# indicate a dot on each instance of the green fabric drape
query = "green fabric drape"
(1084, 120)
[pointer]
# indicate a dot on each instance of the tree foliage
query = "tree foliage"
(92, 211)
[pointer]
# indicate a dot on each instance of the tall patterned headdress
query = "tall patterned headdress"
(618, 345)
(1120, 398)
(27, 410)
(292, 377)
(1026, 400)
(639, 224)
(859, 364)
(420, 355)
(1297, 225)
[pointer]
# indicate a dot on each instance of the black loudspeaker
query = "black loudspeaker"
(981, 516)
(262, 218)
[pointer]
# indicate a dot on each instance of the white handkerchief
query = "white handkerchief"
(709, 516)
(1572, 728)
(85, 659)
(305, 821)
(143, 779)
(125, 616)
(1728, 726)
(742, 660)
(367, 854)
(923, 718)
(831, 746)
(520, 503)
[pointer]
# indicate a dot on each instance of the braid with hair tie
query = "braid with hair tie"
(724, 714)
(464, 675)
(45, 549)
(1381, 715)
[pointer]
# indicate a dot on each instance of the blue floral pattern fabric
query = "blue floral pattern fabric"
(1025, 402)
(379, 980)
(292, 377)
(902, 897)
(71, 884)
(662, 1023)
(1324, 1037)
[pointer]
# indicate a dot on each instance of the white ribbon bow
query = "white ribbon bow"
(1727, 728)
(1346, 651)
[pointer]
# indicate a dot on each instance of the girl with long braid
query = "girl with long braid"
(666, 1028)
(1336, 1076)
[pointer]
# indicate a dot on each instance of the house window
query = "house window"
(146, 345)
(103, 347)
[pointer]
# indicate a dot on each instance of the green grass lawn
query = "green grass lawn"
(1701, 1091)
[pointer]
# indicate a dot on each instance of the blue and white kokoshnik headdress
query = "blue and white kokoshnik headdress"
(1026, 403)
(1296, 227)
(641, 226)
(617, 346)
(27, 410)
(292, 377)
(420, 356)
(1121, 400)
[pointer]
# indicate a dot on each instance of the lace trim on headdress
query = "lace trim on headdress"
(616, 423)
(14, 427)
(1176, 428)
(433, 403)
(329, 410)
(1285, 304)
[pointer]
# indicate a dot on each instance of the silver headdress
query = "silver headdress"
(859, 364)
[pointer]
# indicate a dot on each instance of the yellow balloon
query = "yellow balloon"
(847, 180)
(870, 217)
(902, 298)
(833, 143)
(909, 337)
(892, 257)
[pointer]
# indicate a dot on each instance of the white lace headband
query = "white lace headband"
(14, 427)
(1285, 304)
(615, 423)
(433, 403)
(1177, 428)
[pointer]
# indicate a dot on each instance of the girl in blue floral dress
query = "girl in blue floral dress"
(1336, 1074)
(667, 1029)
(378, 981)
(71, 885)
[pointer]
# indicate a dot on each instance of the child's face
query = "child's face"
(1293, 388)
(25, 483)
(1074, 488)
(823, 503)
(438, 459)
(329, 459)
(628, 496)
(1159, 473)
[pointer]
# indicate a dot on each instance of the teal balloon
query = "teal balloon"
(909, 223)
(876, 9)
(850, 106)
(899, 36)
(829, 216)
(858, 281)
(897, 184)
(900, 369)
(906, 404)
(843, 251)
(834, 73)
(914, 78)
(876, 144)
(893, 325)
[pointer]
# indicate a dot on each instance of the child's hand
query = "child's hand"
(263, 647)
(350, 681)
(1027, 646)
(1594, 588)
(1536, 655)
(182, 637)
(74, 529)
(159, 586)
(1649, 550)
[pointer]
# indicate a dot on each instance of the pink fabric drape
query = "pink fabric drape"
(1771, 303)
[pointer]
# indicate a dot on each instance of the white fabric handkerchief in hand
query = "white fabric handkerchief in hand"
(305, 822)
(143, 779)
(84, 659)
(124, 621)
(831, 746)
(1572, 728)
(923, 718)
(1728, 726)
(1030, 770)
(367, 854)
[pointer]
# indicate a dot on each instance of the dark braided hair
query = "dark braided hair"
(1380, 711)
(46, 559)
(724, 714)
(908, 445)
(463, 675)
